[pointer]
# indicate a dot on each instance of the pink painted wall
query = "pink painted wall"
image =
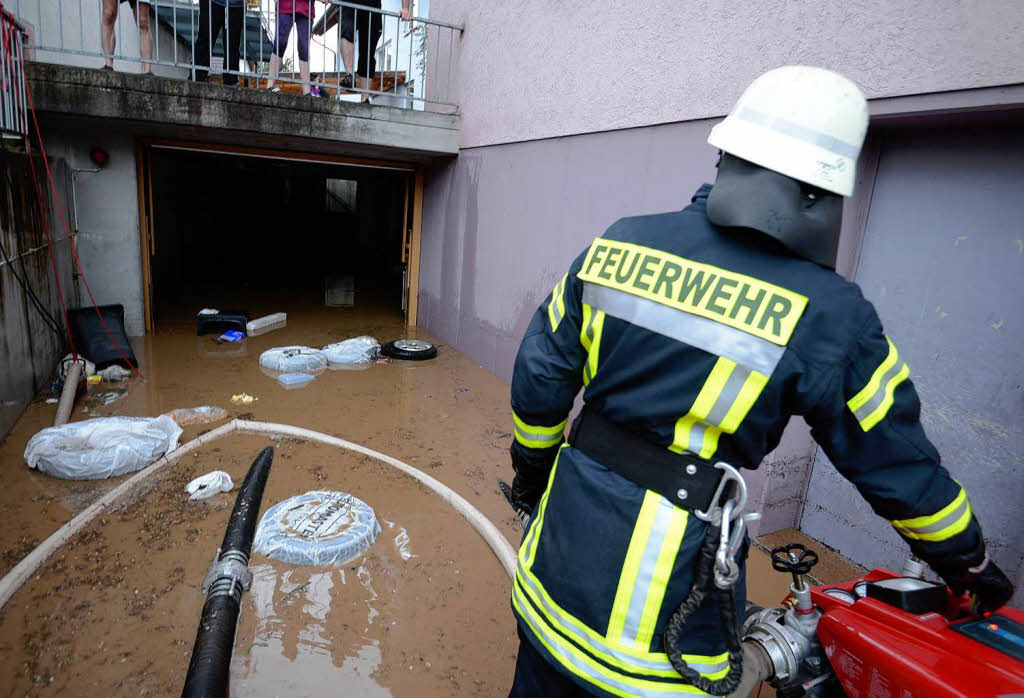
(535, 69)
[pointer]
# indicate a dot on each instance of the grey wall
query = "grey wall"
(943, 261)
(108, 215)
(536, 69)
(29, 348)
(502, 223)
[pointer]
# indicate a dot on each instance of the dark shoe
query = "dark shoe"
(347, 81)
(108, 68)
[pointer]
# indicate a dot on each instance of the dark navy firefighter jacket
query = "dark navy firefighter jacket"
(701, 340)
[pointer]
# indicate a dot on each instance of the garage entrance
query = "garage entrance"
(273, 233)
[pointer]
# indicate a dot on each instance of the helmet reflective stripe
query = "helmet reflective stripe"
(806, 123)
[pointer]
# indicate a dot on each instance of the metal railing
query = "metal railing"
(172, 38)
(13, 110)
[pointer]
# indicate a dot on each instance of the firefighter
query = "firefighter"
(695, 336)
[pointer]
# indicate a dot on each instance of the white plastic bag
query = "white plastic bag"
(210, 484)
(293, 359)
(317, 528)
(102, 447)
(198, 415)
(358, 350)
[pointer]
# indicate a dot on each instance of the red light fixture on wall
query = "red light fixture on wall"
(99, 157)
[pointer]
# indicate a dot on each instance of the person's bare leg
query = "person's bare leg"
(141, 11)
(348, 54)
(363, 84)
(107, 31)
(275, 70)
(304, 74)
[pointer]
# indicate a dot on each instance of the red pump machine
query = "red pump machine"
(884, 635)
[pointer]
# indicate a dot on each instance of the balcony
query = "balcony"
(403, 111)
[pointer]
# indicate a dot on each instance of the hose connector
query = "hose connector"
(228, 575)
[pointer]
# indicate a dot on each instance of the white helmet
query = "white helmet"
(806, 123)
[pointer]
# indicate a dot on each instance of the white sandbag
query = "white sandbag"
(293, 359)
(358, 350)
(102, 447)
(317, 528)
(210, 484)
(198, 415)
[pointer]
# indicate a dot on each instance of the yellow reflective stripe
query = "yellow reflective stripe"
(587, 668)
(528, 550)
(556, 306)
(662, 576)
(627, 579)
(593, 328)
(533, 436)
(585, 327)
(883, 409)
(703, 404)
(952, 519)
(749, 393)
(858, 400)
(874, 400)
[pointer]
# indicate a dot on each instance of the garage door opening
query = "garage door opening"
(267, 234)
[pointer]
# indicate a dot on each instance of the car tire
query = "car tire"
(409, 350)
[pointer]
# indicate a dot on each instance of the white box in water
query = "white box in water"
(265, 324)
(340, 291)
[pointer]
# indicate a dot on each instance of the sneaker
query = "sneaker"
(347, 81)
(275, 88)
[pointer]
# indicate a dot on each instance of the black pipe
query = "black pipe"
(208, 670)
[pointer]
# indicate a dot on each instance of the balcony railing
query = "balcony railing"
(13, 111)
(414, 57)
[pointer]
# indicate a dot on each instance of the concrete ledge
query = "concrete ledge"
(87, 92)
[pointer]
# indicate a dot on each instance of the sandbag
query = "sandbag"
(102, 447)
(294, 359)
(317, 528)
(358, 350)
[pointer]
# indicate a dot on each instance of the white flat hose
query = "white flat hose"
(31, 563)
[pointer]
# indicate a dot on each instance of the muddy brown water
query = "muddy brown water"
(116, 610)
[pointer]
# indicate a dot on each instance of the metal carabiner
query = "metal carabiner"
(729, 475)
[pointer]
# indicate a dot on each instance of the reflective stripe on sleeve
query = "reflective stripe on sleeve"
(556, 306)
(873, 402)
(533, 436)
(590, 338)
(942, 525)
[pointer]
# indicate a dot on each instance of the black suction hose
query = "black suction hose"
(228, 577)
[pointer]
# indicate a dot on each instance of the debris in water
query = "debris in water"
(197, 415)
(210, 484)
(115, 373)
(402, 543)
(243, 399)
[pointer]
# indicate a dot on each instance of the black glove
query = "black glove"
(990, 589)
(522, 506)
(532, 471)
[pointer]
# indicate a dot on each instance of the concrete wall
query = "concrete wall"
(943, 261)
(108, 215)
(502, 223)
(537, 69)
(29, 348)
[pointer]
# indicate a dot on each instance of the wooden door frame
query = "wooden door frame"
(144, 179)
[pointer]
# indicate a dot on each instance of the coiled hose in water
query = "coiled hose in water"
(229, 576)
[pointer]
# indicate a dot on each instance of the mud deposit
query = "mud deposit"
(116, 610)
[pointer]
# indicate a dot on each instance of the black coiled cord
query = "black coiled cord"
(703, 584)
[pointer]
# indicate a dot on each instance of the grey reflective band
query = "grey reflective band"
(865, 410)
(537, 436)
(713, 337)
(945, 522)
(645, 572)
(730, 391)
(801, 133)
